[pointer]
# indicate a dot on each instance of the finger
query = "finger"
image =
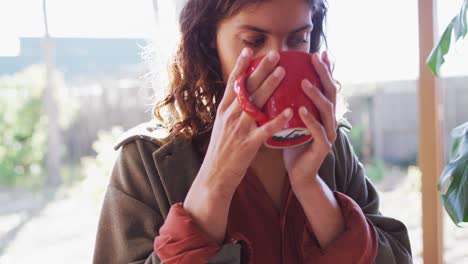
(316, 129)
(331, 68)
(264, 69)
(327, 62)
(234, 109)
(274, 126)
(242, 63)
(325, 108)
(261, 95)
(266, 89)
(325, 78)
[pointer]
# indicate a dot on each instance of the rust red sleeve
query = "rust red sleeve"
(357, 244)
(181, 241)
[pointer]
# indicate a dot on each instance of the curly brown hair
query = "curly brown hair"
(196, 85)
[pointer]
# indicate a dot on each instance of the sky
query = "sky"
(79, 18)
(383, 43)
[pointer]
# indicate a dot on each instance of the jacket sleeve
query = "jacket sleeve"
(357, 244)
(130, 221)
(181, 241)
(392, 235)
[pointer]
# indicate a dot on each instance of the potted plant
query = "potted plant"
(453, 183)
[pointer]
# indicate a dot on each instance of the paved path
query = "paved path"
(64, 230)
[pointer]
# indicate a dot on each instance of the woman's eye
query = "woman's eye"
(299, 40)
(255, 43)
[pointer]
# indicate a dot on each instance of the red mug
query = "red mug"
(298, 66)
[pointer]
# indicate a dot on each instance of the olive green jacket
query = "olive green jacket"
(151, 174)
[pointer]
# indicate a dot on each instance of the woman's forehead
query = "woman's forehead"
(274, 15)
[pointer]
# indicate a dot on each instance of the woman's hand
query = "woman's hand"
(235, 140)
(303, 162)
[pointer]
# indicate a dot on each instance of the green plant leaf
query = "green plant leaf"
(460, 22)
(453, 183)
(459, 27)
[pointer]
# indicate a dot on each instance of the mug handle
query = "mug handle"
(246, 104)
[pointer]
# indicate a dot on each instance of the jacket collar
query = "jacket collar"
(176, 160)
(178, 163)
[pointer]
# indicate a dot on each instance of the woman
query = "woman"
(210, 191)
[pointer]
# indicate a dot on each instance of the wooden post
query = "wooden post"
(156, 11)
(430, 137)
(53, 154)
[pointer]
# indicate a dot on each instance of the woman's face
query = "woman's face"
(274, 25)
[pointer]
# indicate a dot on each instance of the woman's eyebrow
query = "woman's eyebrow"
(254, 28)
(305, 27)
(264, 31)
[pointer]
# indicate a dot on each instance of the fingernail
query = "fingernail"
(304, 111)
(319, 56)
(279, 72)
(273, 56)
(325, 55)
(306, 84)
(245, 52)
(288, 113)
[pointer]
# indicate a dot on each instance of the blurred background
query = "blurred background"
(75, 74)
